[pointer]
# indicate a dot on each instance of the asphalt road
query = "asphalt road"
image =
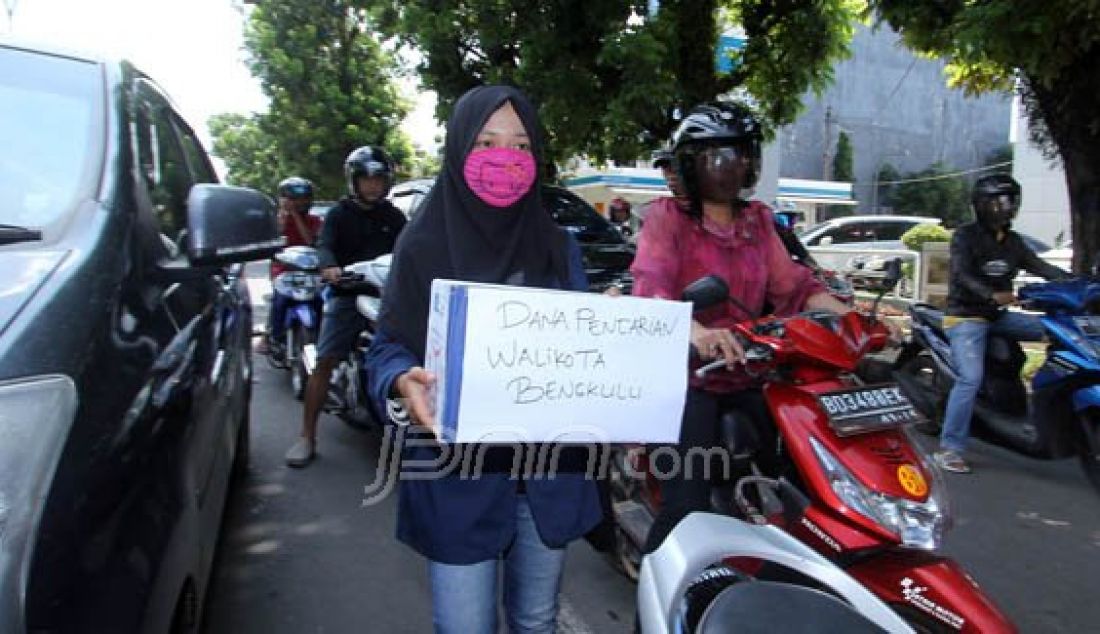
(300, 553)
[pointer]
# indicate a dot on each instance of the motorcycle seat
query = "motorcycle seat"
(928, 315)
(767, 606)
(739, 434)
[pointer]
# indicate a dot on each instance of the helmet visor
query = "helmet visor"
(1002, 207)
(298, 190)
(742, 158)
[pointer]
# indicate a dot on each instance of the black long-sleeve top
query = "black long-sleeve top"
(982, 265)
(352, 233)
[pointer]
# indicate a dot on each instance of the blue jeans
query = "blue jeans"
(464, 597)
(276, 317)
(968, 340)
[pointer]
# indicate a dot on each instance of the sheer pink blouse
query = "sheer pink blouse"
(674, 250)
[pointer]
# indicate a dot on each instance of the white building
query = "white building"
(1044, 208)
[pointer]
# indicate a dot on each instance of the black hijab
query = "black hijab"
(456, 235)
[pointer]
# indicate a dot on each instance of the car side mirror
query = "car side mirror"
(230, 224)
(707, 292)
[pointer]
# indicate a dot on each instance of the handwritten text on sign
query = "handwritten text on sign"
(552, 360)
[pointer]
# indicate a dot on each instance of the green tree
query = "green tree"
(843, 162)
(608, 82)
(932, 192)
(331, 85)
(249, 153)
(882, 192)
(1052, 51)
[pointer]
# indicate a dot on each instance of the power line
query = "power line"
(943, 176)
(893, 92)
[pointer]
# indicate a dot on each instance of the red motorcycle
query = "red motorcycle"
(875, 502)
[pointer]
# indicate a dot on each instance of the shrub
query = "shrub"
(918, 235)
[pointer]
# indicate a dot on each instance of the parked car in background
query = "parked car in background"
(125, 348)
(1061, 257)
(607, 254)
(834, 242)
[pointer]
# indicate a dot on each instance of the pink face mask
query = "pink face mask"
(500, 176)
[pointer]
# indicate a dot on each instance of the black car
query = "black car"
(607, 255)
(125, 362)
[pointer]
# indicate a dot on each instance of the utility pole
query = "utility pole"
(825, 143)
(9, 6)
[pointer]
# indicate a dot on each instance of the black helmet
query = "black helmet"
(368, 161)
(718, 124)
(296, 187)
(996, 199)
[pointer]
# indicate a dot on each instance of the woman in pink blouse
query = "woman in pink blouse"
(719, 232)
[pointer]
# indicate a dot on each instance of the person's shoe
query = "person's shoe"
(951, 461)
(300, 454)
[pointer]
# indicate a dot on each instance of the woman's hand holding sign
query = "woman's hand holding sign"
(415, 387)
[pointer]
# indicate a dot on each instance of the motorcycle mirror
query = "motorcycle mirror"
(706, 292)
(893, 273)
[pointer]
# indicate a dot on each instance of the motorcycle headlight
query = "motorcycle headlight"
(916, 524)
(35, 417)
(297, 285)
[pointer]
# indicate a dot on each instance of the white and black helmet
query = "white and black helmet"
(720, 124)
(368, 161)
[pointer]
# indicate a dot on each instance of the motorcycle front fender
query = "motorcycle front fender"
(932, 586)
(1086, 397)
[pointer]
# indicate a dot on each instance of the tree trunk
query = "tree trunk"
(1083, 185)
(1067, 105)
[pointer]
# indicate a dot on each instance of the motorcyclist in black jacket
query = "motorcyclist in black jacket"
(986, 256)
(362, 226)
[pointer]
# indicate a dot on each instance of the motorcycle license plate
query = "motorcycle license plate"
(867, 408)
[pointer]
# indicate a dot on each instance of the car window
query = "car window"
(892, 230)
(197, 161)
(163, 164)
(571, 211)
(852, 232)
(50, 122)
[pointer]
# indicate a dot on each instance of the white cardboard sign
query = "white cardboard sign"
(516, 364)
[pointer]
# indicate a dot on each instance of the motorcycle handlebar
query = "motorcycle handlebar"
(354, 284)
(760, 352)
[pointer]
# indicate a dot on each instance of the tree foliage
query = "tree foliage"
(250, 154)
(331, 86)
(929, 192)
(608, 82)
(843, 162)
(1052, 50)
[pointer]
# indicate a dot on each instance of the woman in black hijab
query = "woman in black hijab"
(483, 221)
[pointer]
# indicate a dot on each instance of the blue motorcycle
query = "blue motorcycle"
(296, 296)
(1058, 414)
